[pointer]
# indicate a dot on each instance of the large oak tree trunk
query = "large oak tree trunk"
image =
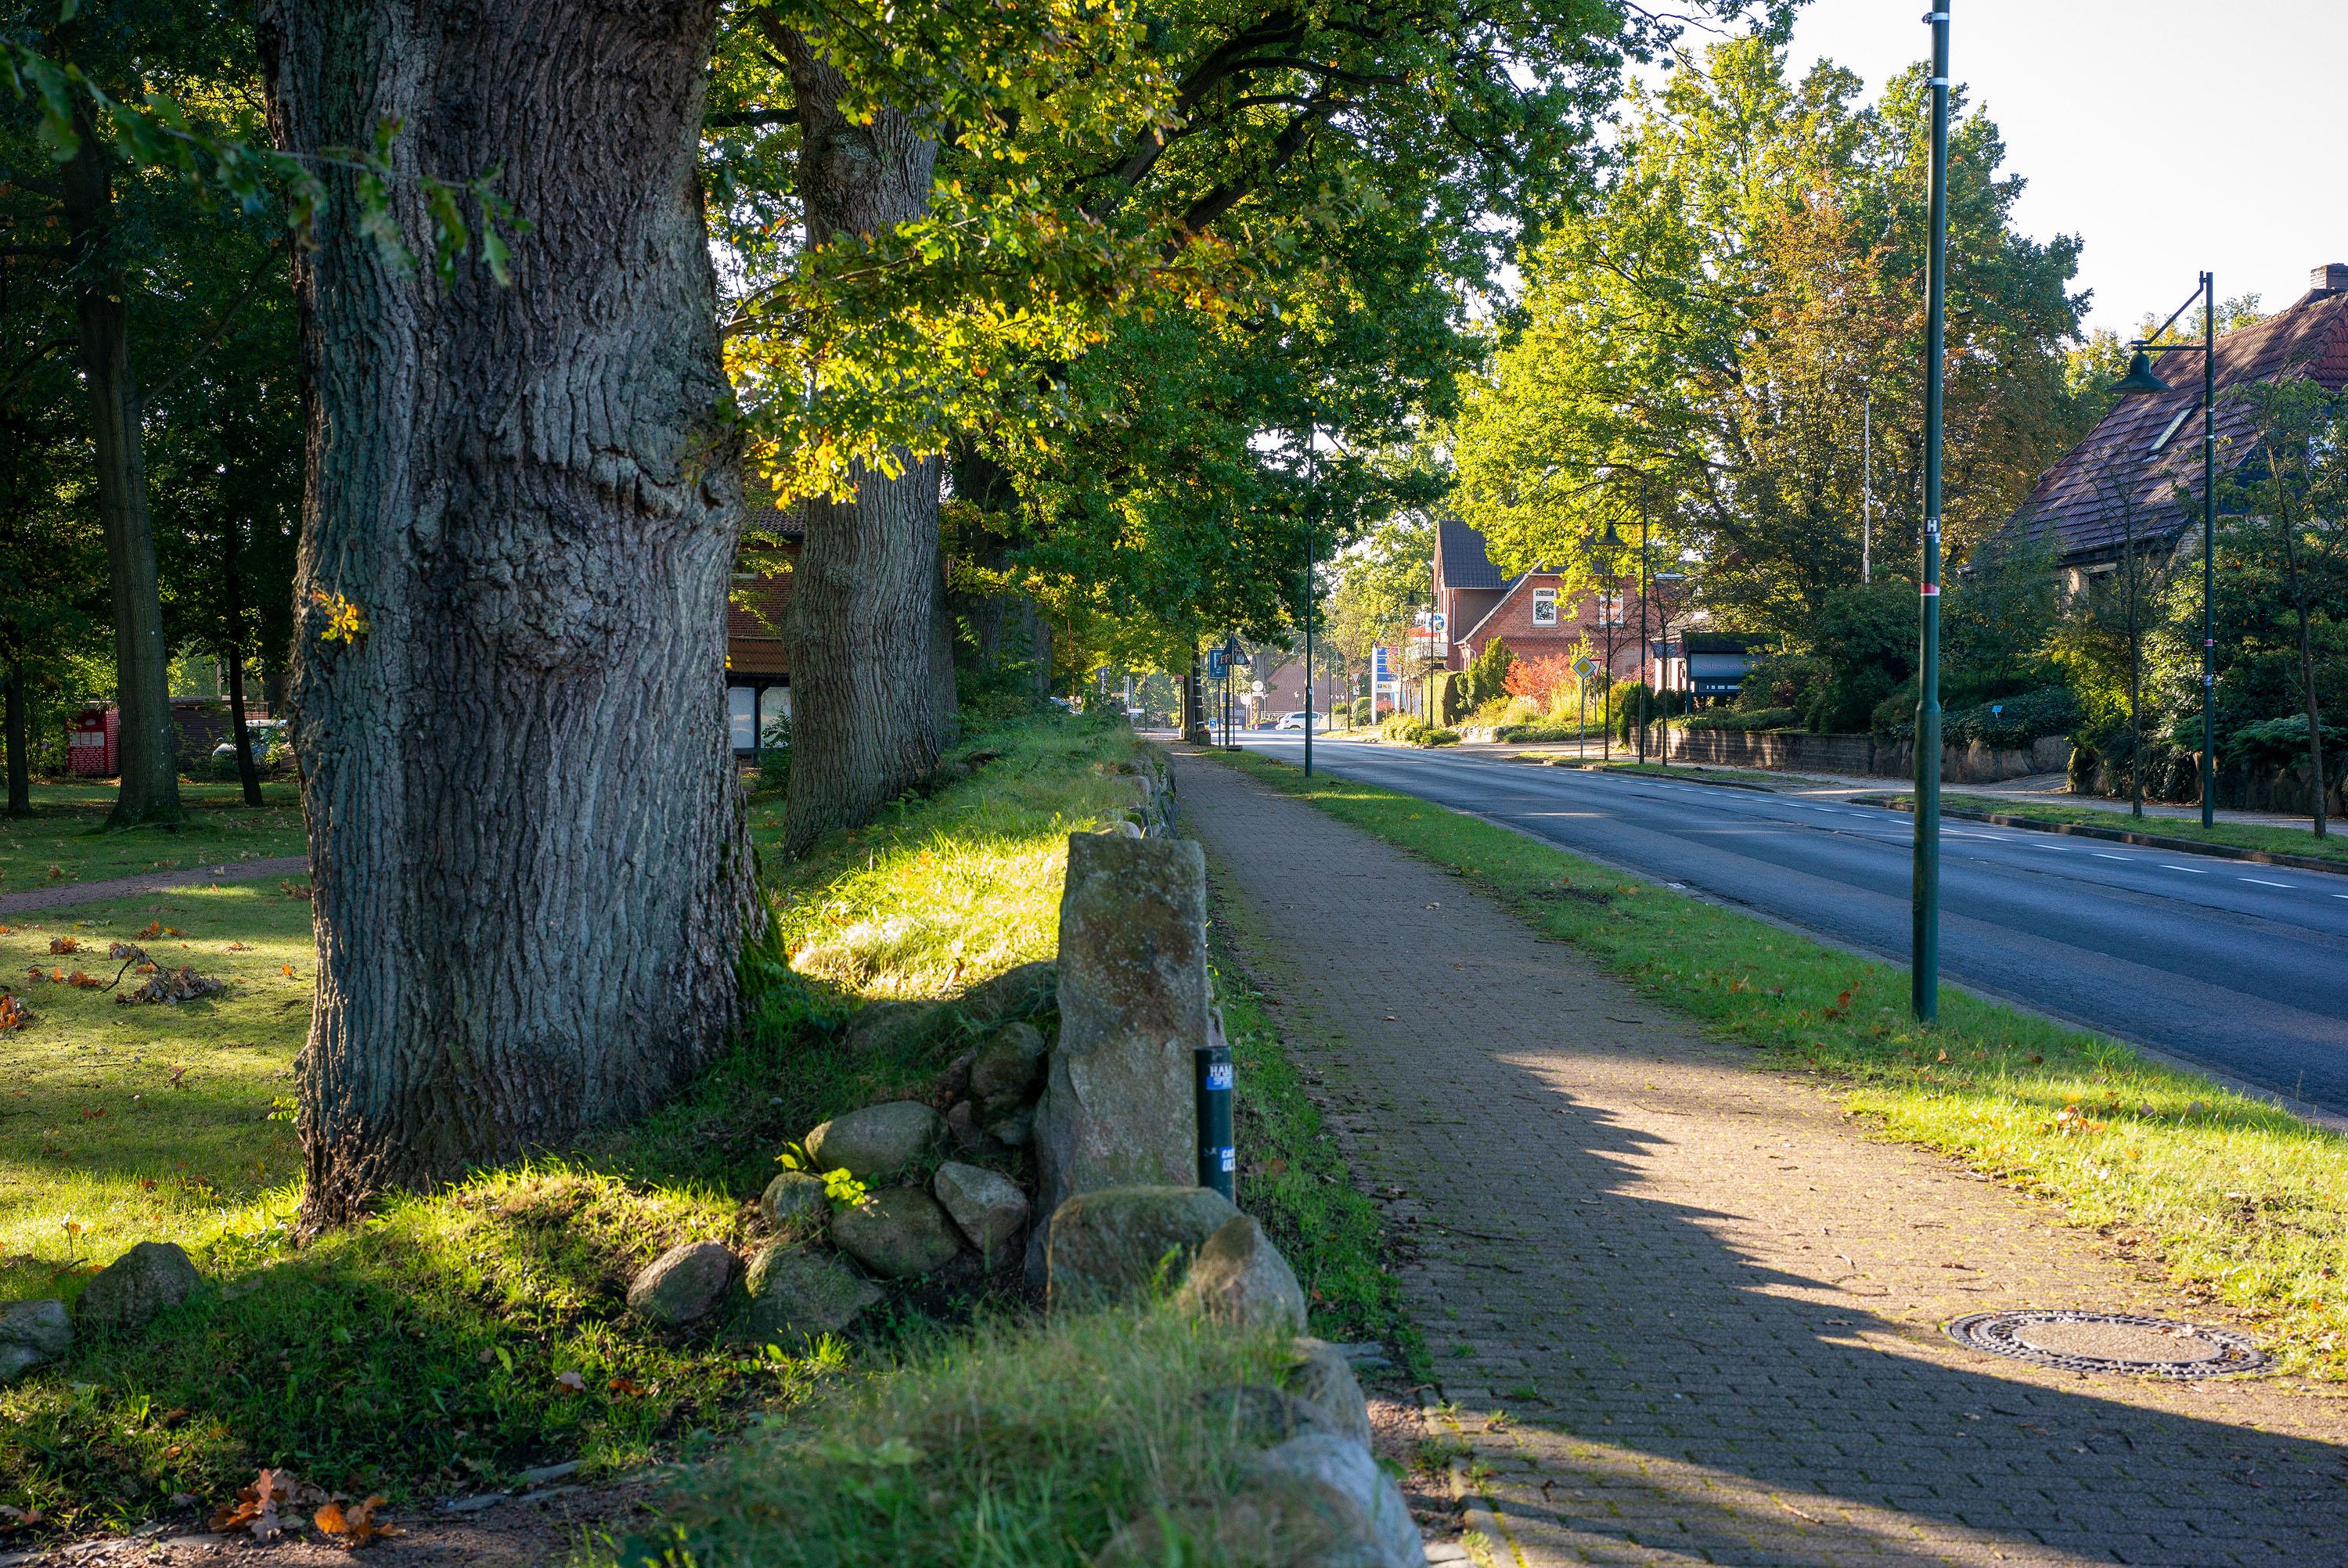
(232, 653)
(528, 851)
(20, 772)
(872, 698)
(149, 757)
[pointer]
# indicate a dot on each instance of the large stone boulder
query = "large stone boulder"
(1110, 1244)
(1239, 1277)
(682, 1284)
(129, 1293)
(1323, 1377)
(987, 1207)
(1342, 1476)
(1029, 991)
(879, 1143)
(897, 1232)
(795, 1199)
(795, 1290)
(1006, 1075)
(32, 1334)
(1257, 1416)
(1117, 1109)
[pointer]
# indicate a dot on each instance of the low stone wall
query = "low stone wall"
(1861, 754)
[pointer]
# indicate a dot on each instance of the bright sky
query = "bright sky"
(2169, 135)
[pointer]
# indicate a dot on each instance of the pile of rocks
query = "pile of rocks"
(935, 1199)
(123, 1298)
(1151, 814)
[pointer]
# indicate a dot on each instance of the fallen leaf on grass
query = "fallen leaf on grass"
(356, 1526)
(286, 969)
(65, 944)
(238, 948)
(625, 1386)
(13, 1014)
(83, 982)
(256, 1506)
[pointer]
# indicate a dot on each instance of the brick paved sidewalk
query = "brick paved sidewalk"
(1685, 1311)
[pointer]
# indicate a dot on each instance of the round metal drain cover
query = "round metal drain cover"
(2109, 1342)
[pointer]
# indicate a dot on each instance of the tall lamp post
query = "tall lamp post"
(1924, 963)
(2140, 381)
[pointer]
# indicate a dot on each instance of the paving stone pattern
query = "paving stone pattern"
(1683, 1309)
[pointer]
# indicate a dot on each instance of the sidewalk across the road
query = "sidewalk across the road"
(1685, 1310)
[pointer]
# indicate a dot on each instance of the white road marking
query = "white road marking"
(2264, 882)
(2188, 870)
(2101, 856)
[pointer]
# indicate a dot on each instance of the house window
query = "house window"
(742, 716)
(773, 711)
(2161, 440)
(1544, 606)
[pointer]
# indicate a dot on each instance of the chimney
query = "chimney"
(2331, 278)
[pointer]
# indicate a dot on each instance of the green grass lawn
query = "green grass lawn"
(2268, 839)
(458, 1338)
(121, 1124)
(2238, 1199)
(65, 839)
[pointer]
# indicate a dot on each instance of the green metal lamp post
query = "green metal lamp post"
(2141, 380)
(1924, 964)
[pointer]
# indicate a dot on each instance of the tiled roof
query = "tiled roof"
(2082, 504)
(1465, 564)
(761, 514)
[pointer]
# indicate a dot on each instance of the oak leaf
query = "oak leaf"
(356, 1526)
(65, 944)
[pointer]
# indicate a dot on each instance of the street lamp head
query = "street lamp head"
(1613, 541)
(2139, 379)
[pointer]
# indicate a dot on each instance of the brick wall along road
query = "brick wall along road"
(1685, 1311)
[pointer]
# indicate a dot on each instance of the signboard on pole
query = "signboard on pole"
(1217, 664)
(1585, 667)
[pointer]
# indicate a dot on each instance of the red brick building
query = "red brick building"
(758, 668)
(1532, 613)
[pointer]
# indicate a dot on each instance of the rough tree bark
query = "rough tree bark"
(871, 689)
(149, 757)
(233, 654)
(531, 878)
(20, 772)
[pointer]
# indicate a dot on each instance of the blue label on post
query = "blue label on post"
(1219, 1075)
(1231, 1161)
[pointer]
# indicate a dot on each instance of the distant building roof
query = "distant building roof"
(759, 512)
(2135, 459)
(1465, 564)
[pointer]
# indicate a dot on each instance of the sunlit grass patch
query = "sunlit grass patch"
(2235, 1196)
(66, 840)
(1005, 1445)
(944, 891)
(126, 1124)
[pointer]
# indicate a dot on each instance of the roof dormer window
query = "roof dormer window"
(2161, 440)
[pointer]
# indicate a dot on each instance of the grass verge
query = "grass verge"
(1297, 1184)
(2264, 838)
(460, 1337)
(2238, 1199)
(1004, 1446)
(66, 840)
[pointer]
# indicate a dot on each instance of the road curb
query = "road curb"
(1689, 778)
(2125, 835)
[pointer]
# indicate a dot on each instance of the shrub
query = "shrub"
(774, 757)
(1786, 680)
(1488, 674)
(2276, 743)
(2016, 721)
(1449, 699)
(1748, 722)
(1546, 680)
(1403, 727)
(1439, 738)
(1536, 735)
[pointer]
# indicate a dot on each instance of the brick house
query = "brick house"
(757, 665)
(2123, 478)
(1532, 613)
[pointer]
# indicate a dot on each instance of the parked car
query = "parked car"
(1295, 721)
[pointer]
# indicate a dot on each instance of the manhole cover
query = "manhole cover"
(2109, 1342)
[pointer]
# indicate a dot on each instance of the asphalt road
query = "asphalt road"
(2231, 965)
